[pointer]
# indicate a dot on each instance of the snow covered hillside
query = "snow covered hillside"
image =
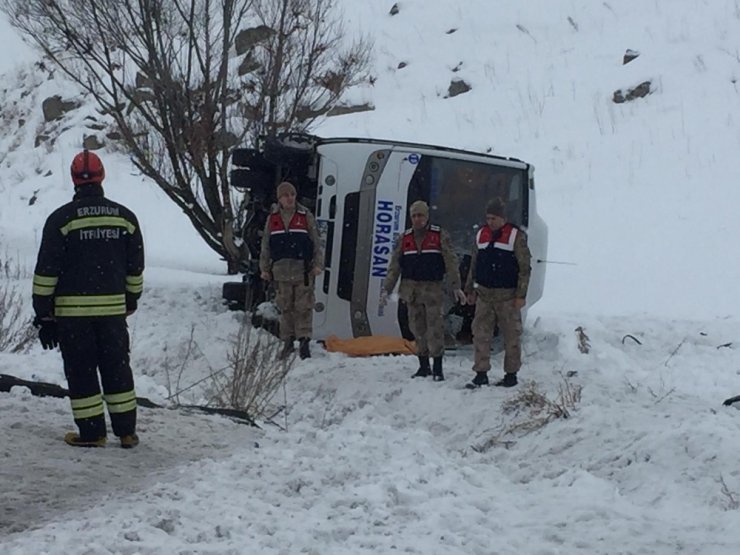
(640, 196)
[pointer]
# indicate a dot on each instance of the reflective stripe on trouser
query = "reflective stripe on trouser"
(119, 403)
(89, 346)
(492, 307)
(295, 301)
(87, 407)
(424, 300)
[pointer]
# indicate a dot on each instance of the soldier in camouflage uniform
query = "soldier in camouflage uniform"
(422, 257)
(497, 284)
(292, 257)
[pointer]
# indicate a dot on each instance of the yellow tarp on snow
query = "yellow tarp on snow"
(371, 345)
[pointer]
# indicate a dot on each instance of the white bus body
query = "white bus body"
(360, 190)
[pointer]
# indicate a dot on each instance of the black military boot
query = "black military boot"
(304, 350)
(423, 370)
(437, 374)
(288, 348)
(481, 379)
(508, 381)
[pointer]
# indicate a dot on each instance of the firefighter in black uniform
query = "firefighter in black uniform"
(88, 278)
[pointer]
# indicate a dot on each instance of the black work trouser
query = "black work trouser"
(98, 344)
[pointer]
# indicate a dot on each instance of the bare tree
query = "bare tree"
(254, 373)
(186, 80)
(304, 66)
(16, 331)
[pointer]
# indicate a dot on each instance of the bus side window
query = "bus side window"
(327, 255)
(329, 247)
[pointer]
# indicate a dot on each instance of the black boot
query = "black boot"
(423, 370)
(288, 348)
(304, 350)
(508, 381)
(481, 379)
(437, 374)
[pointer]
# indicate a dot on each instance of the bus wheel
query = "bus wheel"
(235, 295)
(270, 325)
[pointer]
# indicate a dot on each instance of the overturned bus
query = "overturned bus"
(359, 191)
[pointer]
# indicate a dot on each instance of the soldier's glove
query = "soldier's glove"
(48, 335)
(460, 296)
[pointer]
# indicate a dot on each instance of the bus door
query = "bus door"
(388, 223)
(371, 218)
(348, 175)
(326, 214)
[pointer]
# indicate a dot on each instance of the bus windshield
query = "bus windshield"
(458, 190)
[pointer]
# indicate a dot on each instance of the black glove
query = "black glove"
(47, 332)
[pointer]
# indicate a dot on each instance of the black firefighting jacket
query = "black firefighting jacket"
(91, 260)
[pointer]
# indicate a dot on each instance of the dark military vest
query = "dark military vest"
(293, 241)
(426, 264)
(496, 265)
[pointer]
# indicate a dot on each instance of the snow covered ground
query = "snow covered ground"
(641, 196)
(372, 462)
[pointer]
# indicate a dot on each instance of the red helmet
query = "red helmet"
(87, 168)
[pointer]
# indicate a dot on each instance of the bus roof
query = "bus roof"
(334, 140)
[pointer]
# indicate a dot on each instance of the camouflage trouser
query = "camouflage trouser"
(496, 306)
(295, 301)
(425, 300)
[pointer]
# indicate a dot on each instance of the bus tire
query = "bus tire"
(235, 294)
